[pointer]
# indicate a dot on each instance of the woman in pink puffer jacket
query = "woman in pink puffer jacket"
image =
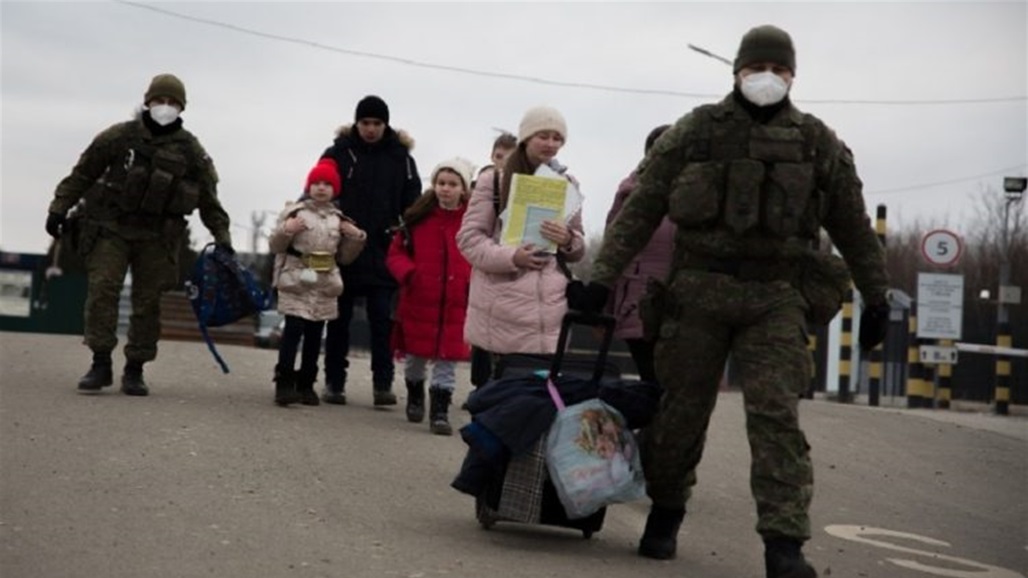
(517, 294)
(653, 262)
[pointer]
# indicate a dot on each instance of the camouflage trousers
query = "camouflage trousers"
(762, 326)
(154, 270)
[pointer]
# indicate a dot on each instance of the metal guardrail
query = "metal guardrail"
(991, 349)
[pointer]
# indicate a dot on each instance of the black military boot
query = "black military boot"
(99, 375)
(384, 394)
(132, 379)
(305, 386)
(660, 538)
(439, 400)
(415, 401)
(285, 387)
(784, 559)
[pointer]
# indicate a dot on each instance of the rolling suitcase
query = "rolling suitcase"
(527, 495)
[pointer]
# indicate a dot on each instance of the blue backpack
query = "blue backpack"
(222, 291)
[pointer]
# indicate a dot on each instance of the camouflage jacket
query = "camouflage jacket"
(739, 189)
(142, 185)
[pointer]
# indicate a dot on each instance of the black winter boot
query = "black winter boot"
(132, 379)
(783, 558)
(100, 374)
(439, 422)
(305, 386)
(334, 394)
(384, 394)
(415, 401)
(660, 538)
(285, 387)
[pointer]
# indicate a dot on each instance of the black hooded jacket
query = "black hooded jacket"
(379, 182)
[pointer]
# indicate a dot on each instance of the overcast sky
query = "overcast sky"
(266, 108)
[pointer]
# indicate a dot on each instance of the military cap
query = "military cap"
(166, 85)
(765, 43)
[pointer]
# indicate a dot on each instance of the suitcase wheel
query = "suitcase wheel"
(587, 534)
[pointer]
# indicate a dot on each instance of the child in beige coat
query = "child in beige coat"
(311, 238)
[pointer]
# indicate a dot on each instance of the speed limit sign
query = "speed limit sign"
(942, 247)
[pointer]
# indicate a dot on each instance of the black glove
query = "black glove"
(54, 223)
(589, 298)
(874, 322)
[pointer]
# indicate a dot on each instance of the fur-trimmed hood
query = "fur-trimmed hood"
(401, 135)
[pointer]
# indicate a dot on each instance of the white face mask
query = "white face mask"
(764, 88)
(163, 114)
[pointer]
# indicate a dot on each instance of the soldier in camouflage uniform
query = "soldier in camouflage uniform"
(749, 182)
(139, 180)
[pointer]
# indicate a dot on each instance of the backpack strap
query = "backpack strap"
(210, 346)
(208, 299)
(496, 191)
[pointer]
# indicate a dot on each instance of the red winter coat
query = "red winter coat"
(434, 284)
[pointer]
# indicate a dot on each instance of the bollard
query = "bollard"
(944, 393)
(846, 349)
(917, 387)
(876, 355)
(1002, 395)
(874, 378)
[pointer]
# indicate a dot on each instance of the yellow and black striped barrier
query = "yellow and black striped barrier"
(919, 390)
(846, 350)
(876, 355)
(1002, 395)
(944, 393)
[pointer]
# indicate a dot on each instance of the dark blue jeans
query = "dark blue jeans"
(378, 304)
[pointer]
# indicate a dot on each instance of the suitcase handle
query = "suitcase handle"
(573, 317)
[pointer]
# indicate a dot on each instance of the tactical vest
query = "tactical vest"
(750, 180)
(149, 180)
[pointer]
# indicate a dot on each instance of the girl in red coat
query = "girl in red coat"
(433, 299)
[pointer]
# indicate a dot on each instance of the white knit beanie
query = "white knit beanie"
(461, 166)
(541, 118)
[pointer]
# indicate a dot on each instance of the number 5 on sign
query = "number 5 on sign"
(941, 247)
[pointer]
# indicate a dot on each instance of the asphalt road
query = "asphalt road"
(206, 477)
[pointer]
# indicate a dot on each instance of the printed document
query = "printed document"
(533, 199)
